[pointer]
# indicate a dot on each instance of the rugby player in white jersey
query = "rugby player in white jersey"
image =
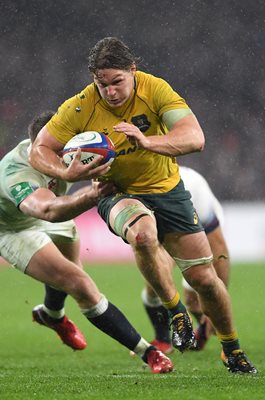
(39, 238)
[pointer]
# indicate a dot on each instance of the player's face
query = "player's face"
(115, 85)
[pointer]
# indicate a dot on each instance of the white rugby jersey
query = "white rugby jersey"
(17, 180)
(206, 204)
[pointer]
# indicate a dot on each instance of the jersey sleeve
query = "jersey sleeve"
(66, 122)
(21, 185)
(166, 99)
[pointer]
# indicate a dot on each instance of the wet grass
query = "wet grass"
(35, 365)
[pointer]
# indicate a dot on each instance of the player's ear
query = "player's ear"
(133, 68)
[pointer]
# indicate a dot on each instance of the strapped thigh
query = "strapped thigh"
(126, 214)
(186, 264)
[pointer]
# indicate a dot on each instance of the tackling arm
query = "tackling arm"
(44, 204)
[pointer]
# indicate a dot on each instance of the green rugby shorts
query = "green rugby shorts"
(173, 210)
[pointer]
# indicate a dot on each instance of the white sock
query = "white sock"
(96, 310)
(56, 314)
(141, 347)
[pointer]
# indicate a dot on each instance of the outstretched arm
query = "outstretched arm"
(43, 203)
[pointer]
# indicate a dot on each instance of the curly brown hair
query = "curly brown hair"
(109, 53)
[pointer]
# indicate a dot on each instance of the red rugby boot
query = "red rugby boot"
(65, 328)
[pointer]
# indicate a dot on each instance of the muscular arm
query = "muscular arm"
(184, 137)
(43, 204)
(44, 157)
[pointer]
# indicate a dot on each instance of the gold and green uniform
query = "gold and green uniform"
(134, 171)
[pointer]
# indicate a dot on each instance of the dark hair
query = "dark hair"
(110, 52)
(38, 122)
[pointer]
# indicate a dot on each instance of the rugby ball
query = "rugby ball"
(92, 144)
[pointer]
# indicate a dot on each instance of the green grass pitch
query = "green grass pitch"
(35, 365)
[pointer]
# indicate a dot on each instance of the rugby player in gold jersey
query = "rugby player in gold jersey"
(150, 125)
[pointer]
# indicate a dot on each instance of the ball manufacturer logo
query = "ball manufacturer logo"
(84, 138)
(88, 159)
(92, 144)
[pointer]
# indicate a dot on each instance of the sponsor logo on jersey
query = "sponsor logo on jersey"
(124, 152)
(20, 191)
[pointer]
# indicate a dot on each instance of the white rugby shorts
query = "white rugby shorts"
(18, 247)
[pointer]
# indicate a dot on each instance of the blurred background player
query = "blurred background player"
(211, 215)
(39, 238)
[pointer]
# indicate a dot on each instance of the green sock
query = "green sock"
(179, 308)
(230, 345)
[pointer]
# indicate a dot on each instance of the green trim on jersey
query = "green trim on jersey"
(173, 116)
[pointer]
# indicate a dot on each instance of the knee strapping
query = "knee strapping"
(186, 264)
(126, 214)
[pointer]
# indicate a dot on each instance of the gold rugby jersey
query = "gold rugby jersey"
(134, 170)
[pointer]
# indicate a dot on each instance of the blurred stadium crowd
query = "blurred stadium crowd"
(211, 52)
